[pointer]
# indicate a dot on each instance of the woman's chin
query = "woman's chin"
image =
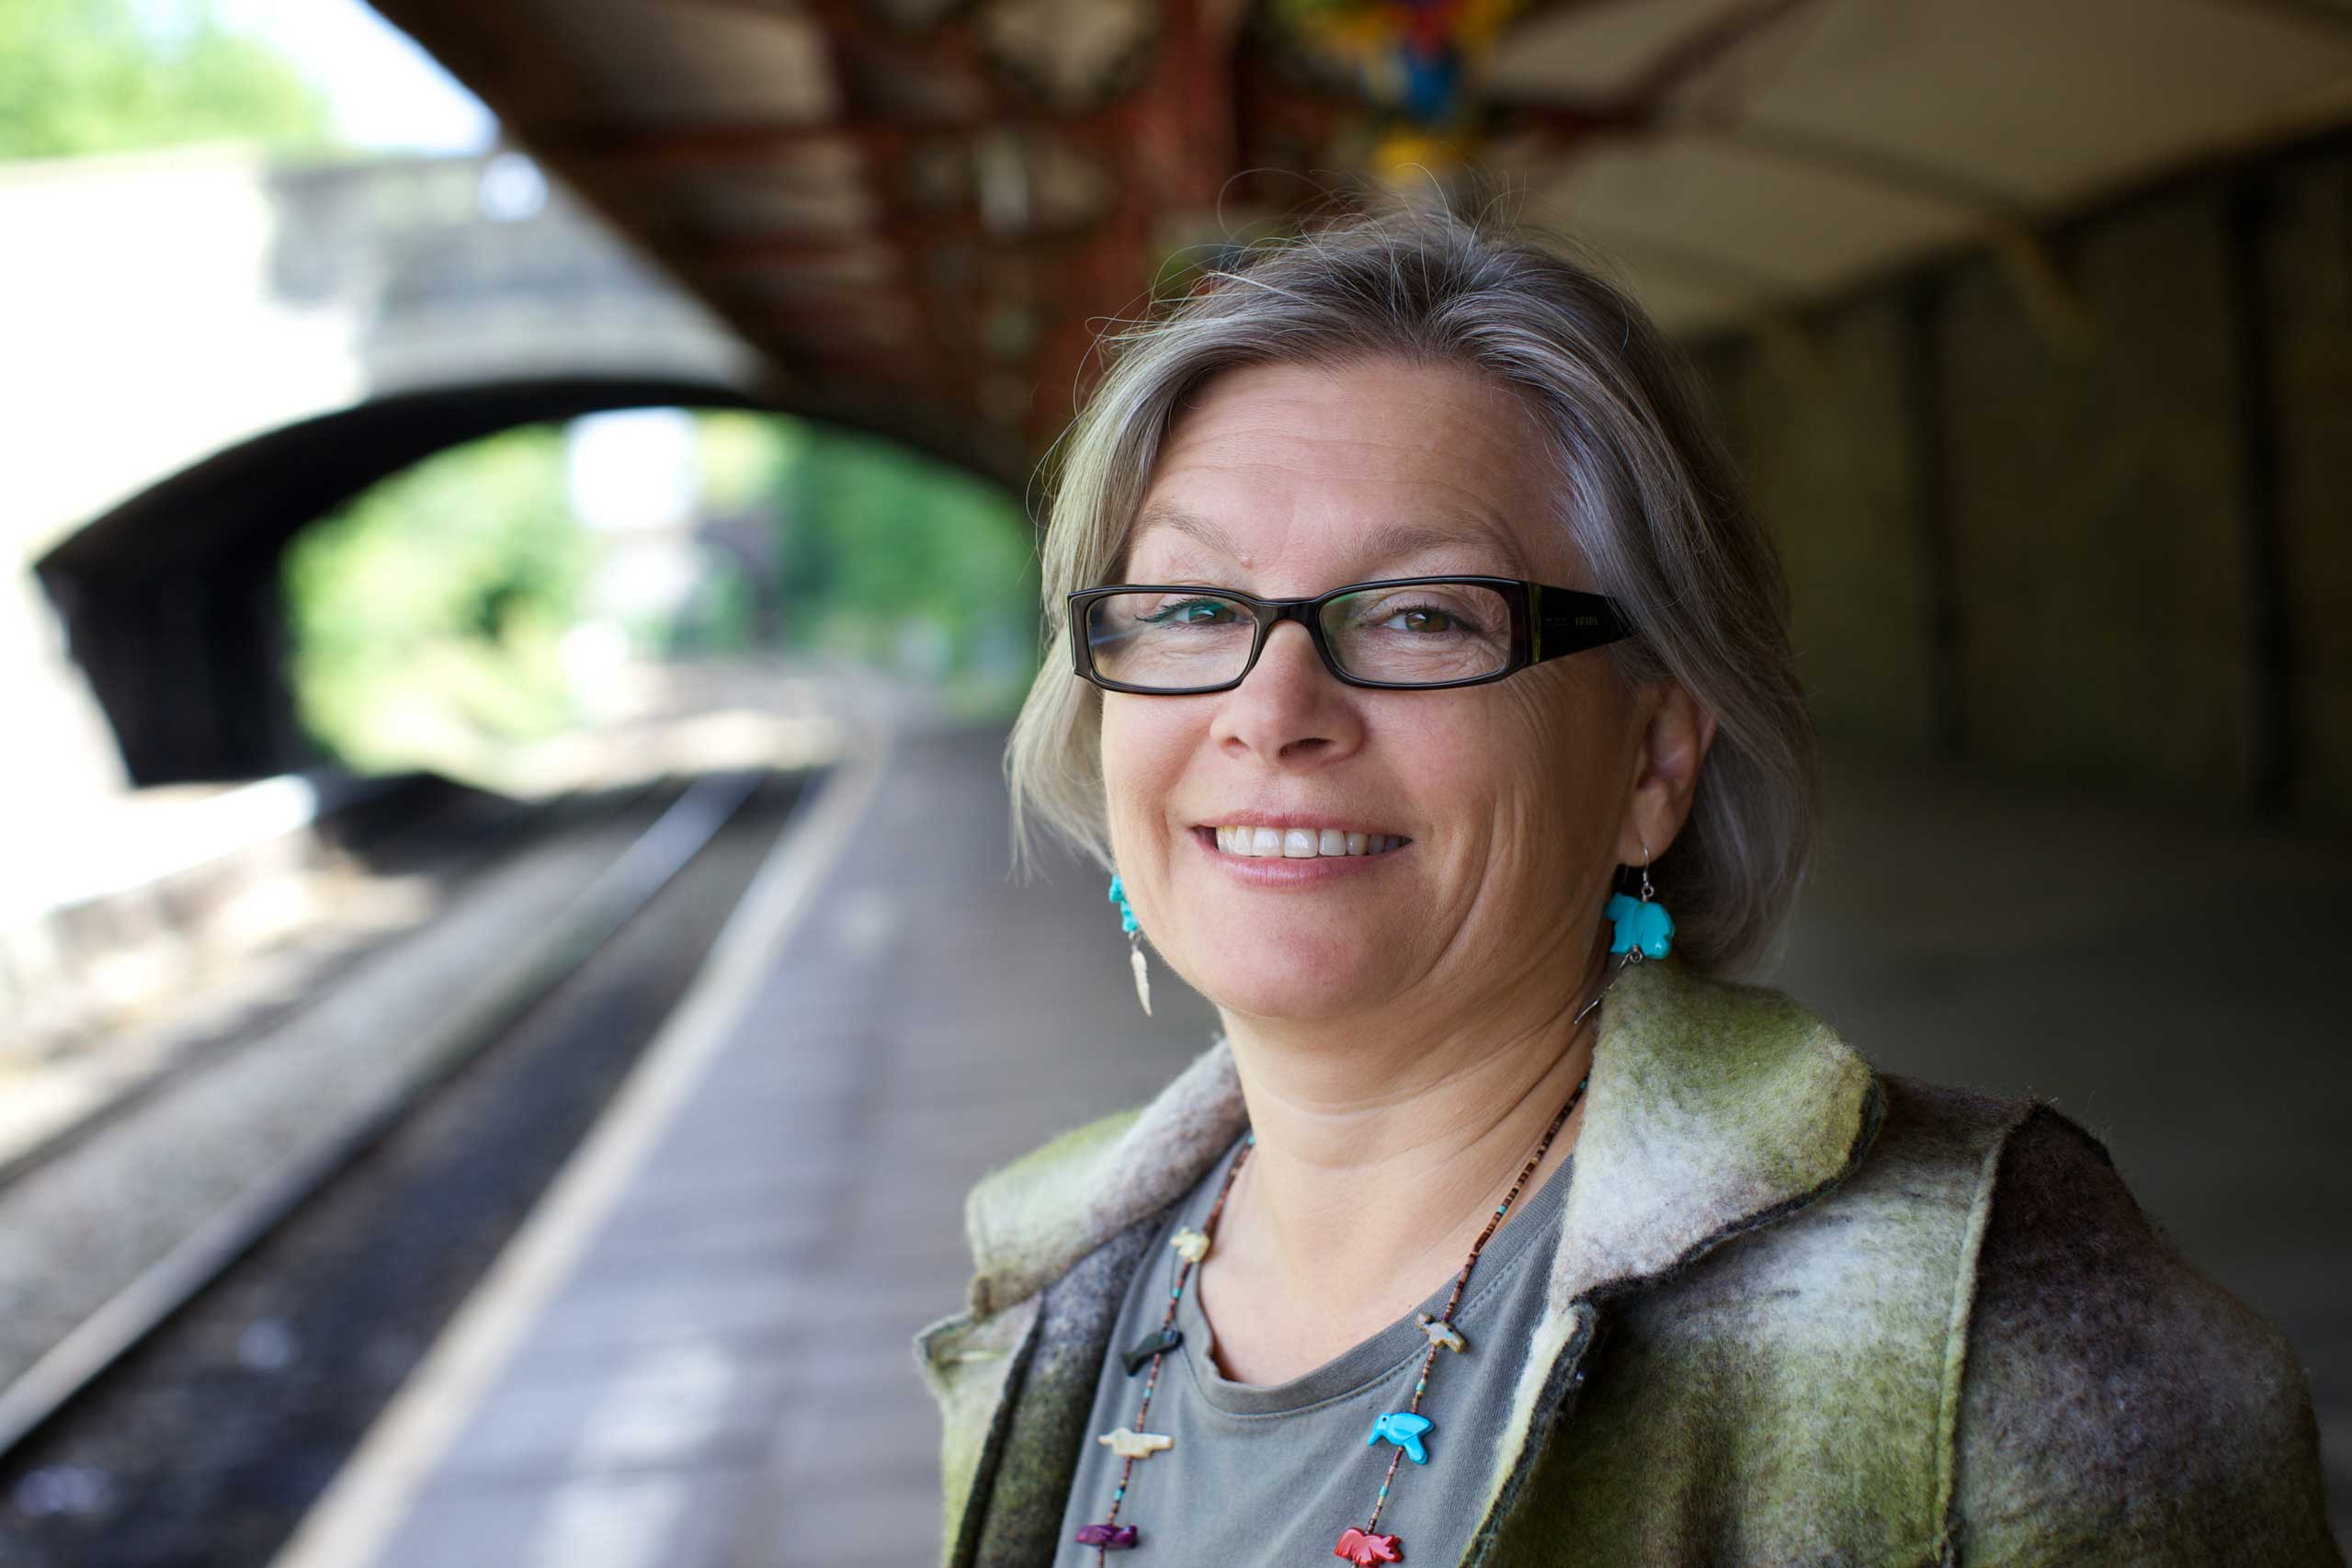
(1268, 966)
(1254, 989)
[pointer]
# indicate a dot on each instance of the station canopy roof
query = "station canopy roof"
(924, 210)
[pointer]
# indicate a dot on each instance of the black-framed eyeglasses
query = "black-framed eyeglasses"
(1417, 633)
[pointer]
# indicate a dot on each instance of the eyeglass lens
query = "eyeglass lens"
(1417, 633)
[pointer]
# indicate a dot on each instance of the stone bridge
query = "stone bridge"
(206, 350)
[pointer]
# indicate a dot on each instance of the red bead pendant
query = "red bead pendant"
(1362, 1549)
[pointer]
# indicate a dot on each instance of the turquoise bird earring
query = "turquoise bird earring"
(1134, 944)
(1644, 929)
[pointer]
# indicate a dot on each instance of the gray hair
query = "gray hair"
(1646, 492)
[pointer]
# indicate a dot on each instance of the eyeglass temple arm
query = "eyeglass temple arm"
(1568, 620)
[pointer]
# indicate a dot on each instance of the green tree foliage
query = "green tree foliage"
(98, 76)
(896, 559)
(426, 615)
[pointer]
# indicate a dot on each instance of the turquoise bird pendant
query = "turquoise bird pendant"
(1646, 926)
(1404, 1430)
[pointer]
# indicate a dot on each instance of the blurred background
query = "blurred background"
(521, 557)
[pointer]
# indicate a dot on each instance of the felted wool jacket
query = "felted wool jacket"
(1800, 1312)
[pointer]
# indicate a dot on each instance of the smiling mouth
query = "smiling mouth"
(1298, 843)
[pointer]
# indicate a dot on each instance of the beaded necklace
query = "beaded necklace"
(1403, 1429)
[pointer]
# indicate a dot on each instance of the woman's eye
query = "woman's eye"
(1195, 612)
(1427, 618)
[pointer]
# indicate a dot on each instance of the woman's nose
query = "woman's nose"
(1288, 703)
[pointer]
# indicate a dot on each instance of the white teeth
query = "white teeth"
(1303, 843)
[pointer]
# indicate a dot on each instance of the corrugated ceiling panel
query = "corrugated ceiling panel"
(1737, 218)
(1593, 50)
(2051, 102)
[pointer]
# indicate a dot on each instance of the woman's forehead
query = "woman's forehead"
(1381, 419)
(1383, 461)
(1177, 530)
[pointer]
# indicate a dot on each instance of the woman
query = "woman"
(1499, 1224)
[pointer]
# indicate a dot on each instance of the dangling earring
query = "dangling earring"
(1134, 944)
(1643, 928)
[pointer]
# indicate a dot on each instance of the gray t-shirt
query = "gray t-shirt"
(1268, 1474)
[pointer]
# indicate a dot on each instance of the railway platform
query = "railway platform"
(696, 1353)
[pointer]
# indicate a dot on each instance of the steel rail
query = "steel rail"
(135, 1311)
(61, 1140)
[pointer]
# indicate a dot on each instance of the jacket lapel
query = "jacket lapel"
(1714, 1108)
(1030, 1222)
(1057, 1236)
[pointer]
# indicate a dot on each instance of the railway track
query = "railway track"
(423, 827)
(193, 1412)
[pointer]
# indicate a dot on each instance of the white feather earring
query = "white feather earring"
(1134, 944)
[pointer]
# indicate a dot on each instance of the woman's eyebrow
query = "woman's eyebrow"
(1382, 542)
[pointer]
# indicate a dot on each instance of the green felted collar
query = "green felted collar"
(1714, 1107)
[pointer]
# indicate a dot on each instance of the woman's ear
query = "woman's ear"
(1676, 733)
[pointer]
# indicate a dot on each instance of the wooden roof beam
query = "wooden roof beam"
(670, 150)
